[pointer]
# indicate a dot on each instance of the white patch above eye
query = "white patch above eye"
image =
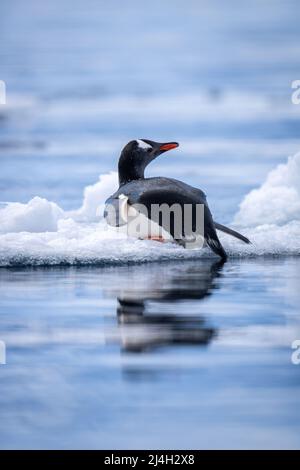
(143, 145)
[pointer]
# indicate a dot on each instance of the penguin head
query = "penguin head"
(137, 154)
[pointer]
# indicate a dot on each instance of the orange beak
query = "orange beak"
(168, 146)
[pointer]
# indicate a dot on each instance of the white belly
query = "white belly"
(138, 225)
(135, 224)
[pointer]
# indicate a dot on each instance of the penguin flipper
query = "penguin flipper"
(214, 243)
(172, 196)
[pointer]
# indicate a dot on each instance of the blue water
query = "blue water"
(195, 356)
(168, 355)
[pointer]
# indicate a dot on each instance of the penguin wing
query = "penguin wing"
(170, 197)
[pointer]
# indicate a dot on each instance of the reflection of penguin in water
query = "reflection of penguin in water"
(136, 189)
(155, 330)
(140, 330)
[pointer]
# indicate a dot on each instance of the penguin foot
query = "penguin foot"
(156, 239)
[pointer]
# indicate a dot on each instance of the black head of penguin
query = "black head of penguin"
(136, 155)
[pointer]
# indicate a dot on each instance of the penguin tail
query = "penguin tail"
(231, 232)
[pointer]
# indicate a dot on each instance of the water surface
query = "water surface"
(189, 355)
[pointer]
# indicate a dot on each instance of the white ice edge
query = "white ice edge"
(42, 233)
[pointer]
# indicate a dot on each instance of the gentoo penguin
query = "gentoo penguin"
(136, 192)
